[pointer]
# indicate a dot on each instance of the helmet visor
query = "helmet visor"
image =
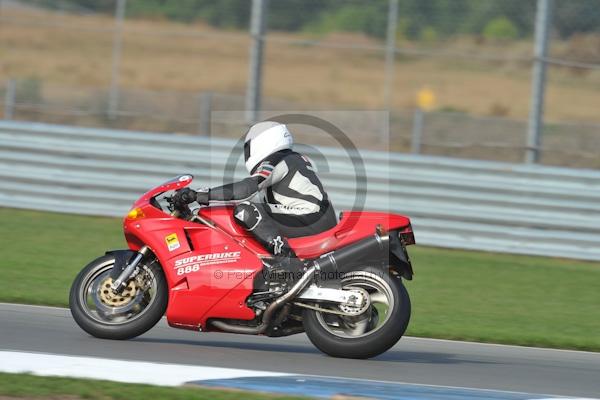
(247, 150)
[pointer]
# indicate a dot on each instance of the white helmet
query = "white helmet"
(263, 139)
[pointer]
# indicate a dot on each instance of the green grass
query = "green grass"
(477, 296)
(23, 385)
(501, 298)
(41, 253)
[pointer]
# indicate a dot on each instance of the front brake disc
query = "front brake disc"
(111, 299)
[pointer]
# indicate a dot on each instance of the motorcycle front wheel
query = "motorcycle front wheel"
(371, 333)
(103, 314)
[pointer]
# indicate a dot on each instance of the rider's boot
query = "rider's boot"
(286, 267)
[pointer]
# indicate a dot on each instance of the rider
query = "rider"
(283, 197)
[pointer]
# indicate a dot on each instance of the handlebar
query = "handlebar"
(176, 210)
(187, 214)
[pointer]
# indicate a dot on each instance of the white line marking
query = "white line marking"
(117, 370)
(164, 374)
(515, 346)
(33, 306)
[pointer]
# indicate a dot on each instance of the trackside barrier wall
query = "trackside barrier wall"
(463, 204)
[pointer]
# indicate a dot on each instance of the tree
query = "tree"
(445, 17)
(500, 28)
(581, 16)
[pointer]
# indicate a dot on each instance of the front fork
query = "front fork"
(121, 282)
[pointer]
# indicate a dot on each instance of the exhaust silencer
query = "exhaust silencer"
(373, 251)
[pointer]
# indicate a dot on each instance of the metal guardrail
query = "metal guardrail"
(523, 209)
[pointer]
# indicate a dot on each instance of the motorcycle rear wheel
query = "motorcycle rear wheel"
(372, 333)
(107, 316)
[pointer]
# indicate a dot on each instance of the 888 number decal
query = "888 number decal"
(188, 269)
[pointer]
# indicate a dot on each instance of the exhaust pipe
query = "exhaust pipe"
(372, 249)
(268, 314)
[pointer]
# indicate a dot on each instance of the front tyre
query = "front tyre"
(101, 313)
(370, 333)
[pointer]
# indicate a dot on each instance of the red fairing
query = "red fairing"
(210, 269)
(222, 216)
(353, 226)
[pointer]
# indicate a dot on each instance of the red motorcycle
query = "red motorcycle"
(208, 274)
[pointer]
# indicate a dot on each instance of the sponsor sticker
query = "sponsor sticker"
(172, 242)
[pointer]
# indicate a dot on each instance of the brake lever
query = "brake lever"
(171, 206)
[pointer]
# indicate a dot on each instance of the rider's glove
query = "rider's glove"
(184, 197)
(202, 196)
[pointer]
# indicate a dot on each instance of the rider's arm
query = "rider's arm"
(241, 190)
(246, 188)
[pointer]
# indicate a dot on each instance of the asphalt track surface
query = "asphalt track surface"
(412, 360)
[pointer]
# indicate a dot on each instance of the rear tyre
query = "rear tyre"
(133, 312)
(371, 333)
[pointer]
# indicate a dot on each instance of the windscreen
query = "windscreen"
(180, 178)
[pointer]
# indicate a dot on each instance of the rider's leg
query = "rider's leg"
(255, 218)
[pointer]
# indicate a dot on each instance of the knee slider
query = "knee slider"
(247, 215)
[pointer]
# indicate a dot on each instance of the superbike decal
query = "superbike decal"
(172, 242)
(193, 264)
(211, 258)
